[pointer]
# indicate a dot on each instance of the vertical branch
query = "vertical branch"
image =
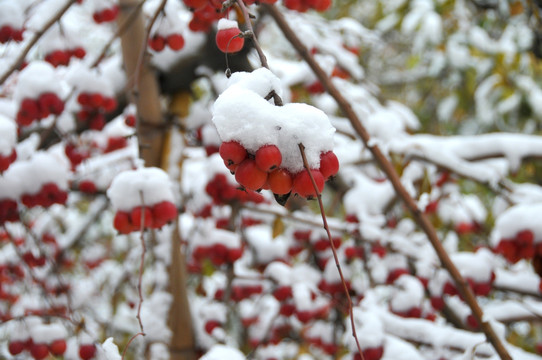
(333, 249)
(386, 166)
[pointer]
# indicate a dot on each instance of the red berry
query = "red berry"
(175, 42)
(195, 4)
(157, 43)
(87, 351)
(280, 181)
(232, 152)
(163, 212)
(87, 187)
(96, 100)
(79, 52)
(268, 158)
(122, 222)
(138, 218)
(130, 120)
(16, 347)
(302, 184)
(109, 104)
(83, 99)
(227, 41)
(211, 325)
(250, 176)
(329, 164)
(39, 351)
(57, 347)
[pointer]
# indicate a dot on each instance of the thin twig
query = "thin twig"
(129, 342)
(333, 249)
(276, 98)
(34, 39)
(141, 263)
(390, 172)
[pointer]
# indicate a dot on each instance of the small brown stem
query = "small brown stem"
(333, 249)
(386, 166)
(35, 37)
(130, 341)
(141, 263)
(263, 59)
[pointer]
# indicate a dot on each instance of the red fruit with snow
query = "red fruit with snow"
(58, 347)
(106, 14)
(268, 158)
(280, 181)
(329, 164)
(175, 42)
(250, 176)
(157, 42)
(16, 347)
(228, 37)
(232, 152)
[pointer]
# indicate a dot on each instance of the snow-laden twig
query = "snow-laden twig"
(392, 175)
(34, 39)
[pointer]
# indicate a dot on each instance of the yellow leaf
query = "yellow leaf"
(180, 104)
(278, 227)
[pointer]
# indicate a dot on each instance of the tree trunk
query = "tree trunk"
(151, 136)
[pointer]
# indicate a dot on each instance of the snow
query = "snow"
(141, 187)
(8, 140)
(12, 14)
(242, 114)
(515, 219)
(224, 24)
(37, 78)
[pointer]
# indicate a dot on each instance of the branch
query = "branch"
(390, 172)
(333, 249)
(33, 40)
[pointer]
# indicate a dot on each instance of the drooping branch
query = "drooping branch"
(394, 178)
(34, 39)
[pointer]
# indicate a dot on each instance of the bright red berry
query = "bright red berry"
(122, 222)
(157, 43)
(250, 176)
(228, 41)
(141, 216)
(87, 187)
(175, 42)
(268, 158)
(87, 351)
(58, 347)
(232, 152)
(280, 181)
(329, 164)
(302, 184)
(163, 212)
(16, 347)
(39, 351)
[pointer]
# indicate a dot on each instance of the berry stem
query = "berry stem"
(141, 264)
(263, 59)
(333, 249)
(386, 166)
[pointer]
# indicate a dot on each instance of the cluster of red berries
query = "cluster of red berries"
(63, 57)
(36, 109)
(106, 15)
(218, 253)
(148, 217)
(229, 38)
(94, 107)
(7, 160)
(39, 351)
(479, 289)
(522, 246)
(8, 211)
(317, 341)
(174, 41)
(204, 17)
(48, 195)
(304, 5)
(222, 192)
(240, 292)
(262, 170)
(7, 33)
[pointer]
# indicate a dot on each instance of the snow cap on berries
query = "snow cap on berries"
(8, 140)
(241, 113)
(145, 186)
(12, 14)
(37, 78)
(226, 24)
